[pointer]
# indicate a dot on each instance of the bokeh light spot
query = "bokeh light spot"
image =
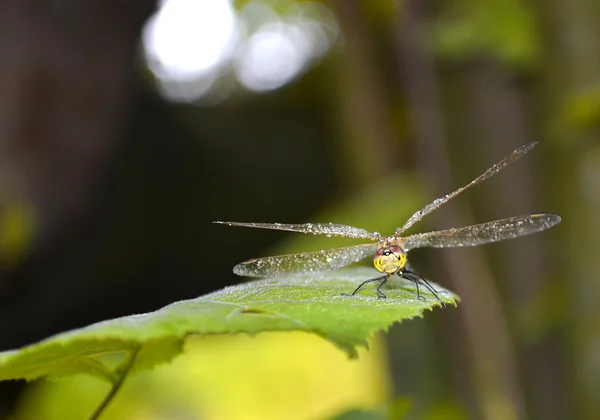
(274, 56)
(187, 38)
(191, 46)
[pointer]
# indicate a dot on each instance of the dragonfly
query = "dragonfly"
(389, 253)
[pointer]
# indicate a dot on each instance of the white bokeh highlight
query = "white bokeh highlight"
(188, 38)
(273, 56)
(190, 45)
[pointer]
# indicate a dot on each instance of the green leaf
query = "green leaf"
(397, 410)
(362, 415)
(306, 302)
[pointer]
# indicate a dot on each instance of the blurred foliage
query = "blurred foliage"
(289, 375)
(506, 30)
(582, 110)
(362, 415)
(17, 224)
(544, 315)
(401, 408)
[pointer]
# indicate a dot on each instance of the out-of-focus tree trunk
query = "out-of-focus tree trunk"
(502, 107)
(494, 368)
(65, 77)
(570, 87)
(373, 147)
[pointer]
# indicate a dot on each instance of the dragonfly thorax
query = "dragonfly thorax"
(389, 259)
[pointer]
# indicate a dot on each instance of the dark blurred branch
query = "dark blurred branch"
(495, 370)
(65, 79)
(373, 144)
(572, 68)
(505, 120)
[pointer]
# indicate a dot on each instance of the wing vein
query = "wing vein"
(324, 260)
(328, 229)
(484, 233)
(438, 202)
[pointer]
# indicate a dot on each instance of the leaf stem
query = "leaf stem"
(121, 371)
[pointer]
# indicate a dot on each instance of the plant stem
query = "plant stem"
(122, 371)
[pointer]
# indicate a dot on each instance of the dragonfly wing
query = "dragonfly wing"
(328, 229)
(495, 231)
(487, 174)
(329, 259)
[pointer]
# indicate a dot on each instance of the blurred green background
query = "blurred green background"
(127, 127)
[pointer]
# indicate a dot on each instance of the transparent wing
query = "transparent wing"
(330, 259)
(487, 174)
(495, 231)
(328, 229)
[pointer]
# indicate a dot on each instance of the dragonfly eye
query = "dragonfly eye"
(389, 260)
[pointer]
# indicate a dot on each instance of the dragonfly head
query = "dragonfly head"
(389, 259)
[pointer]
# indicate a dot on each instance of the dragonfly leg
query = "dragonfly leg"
(418, 291)
(416, 275)
(415, 278)
(382, 279)
(379, 292)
